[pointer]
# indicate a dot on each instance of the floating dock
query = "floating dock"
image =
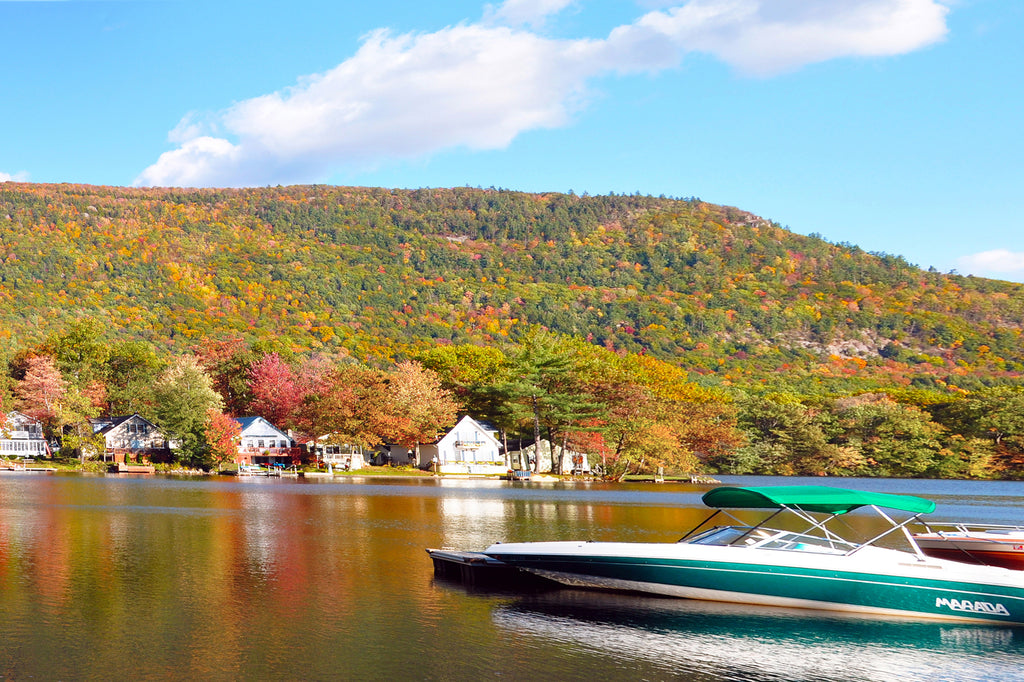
(476, 568)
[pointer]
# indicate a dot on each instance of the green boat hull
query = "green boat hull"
(783, 586)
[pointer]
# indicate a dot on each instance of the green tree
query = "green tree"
(895, 440)
(965, 458)
(473, 374)
(540, 390)
(995, 414)
(130, 370)
(80, 350)
(784, 437)
(182, 399)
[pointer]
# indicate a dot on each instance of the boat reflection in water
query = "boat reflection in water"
(715, 641)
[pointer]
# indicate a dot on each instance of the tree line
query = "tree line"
(631, 412)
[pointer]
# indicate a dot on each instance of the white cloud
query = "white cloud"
(397, 97)
(532, 13)
(20, 176)
(196, 163)
(996, 261)
(766, 37)
(480, 85)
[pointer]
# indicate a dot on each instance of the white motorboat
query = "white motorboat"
(975, 544)
(812, 568)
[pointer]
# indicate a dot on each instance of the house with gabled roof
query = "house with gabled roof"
(471, 447)
(261, 442)
(22, 436)
(130, 438)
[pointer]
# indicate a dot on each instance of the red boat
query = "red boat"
(989, 545)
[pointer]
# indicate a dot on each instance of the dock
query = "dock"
(27, 464)
(476, 568)
(257, 470)
(27, 469)
(123, 468)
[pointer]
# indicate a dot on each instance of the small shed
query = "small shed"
(571, 462)
(338, 455)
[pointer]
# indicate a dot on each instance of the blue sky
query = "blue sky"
(891, 124)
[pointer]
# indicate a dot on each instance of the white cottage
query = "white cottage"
(263, 443)
(22, 436)
(471, 447)
(329, 451)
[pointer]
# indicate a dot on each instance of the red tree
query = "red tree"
(42, 390)
(222, 433)
(349, 405)
(276, 392)
(419, 406)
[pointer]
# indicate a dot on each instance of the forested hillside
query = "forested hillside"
(652, 331)
(383, 273)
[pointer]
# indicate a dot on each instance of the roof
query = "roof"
(263, 427)
(812, 498)
(486, 430)
(105, 424)
(246, 422)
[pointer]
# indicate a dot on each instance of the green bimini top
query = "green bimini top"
(812, 498)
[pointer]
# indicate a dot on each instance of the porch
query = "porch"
(267, 456)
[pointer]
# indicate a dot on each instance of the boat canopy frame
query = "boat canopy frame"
(803, 501)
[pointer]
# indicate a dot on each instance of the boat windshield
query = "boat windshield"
(722, 535)
(767, 538)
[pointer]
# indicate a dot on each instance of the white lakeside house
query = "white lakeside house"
(261, 442)
(22, 436)
(469, 448)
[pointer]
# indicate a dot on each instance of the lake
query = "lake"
(218, 578)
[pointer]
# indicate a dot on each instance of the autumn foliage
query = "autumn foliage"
(656, 331)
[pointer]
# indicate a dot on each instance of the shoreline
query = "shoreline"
(109, 469)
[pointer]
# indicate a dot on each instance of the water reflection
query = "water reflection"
(106, 577)
(700, 640)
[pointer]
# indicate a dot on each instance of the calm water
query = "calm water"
(160, 578)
